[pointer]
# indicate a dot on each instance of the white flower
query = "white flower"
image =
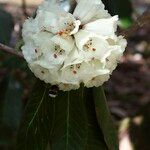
(67, 49)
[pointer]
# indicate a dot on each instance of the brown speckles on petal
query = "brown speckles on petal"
(55, 56)
(94, 49)
(74, 72)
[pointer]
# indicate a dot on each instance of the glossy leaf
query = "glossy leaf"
(66, 122)
(104, 119)
(70, 128)
(60, 120)
(37, 120)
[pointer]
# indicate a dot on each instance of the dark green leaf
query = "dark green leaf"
(123, 8)
(3, 87)
(6, 26)
(10, 109)
(61, 121)
(104, 119)
(95, 139)
(70, 128)
(109, 5)
(66, 122)
(13, 104)
(37, 122)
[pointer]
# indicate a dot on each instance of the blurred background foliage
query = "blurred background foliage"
(128, 91)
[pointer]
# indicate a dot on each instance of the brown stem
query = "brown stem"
(10, 51)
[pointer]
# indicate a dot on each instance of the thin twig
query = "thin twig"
(10, 50)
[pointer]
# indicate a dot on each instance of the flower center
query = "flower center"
(89, 46)
(70, 26)
(58, 51)
(75, 68)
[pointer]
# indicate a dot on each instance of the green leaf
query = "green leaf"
(37, 121)
(13, 104)
(3, 87)
(109, 5)
(58, 121)
(123, 8)
(6, 26)
(95, 138)
(104, 119)
(125, 22)
(70, 128)
(66, 122)
(11, 109)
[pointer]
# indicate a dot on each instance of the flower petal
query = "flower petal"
(75, 57)
(42, 39)
(104, 27)
(66, 44)
(29, 52)
(49, 76)
(54, 48)
(118, 46)
(62, 23)
(82, 72)
(66, 50)
(92, 46)
(77, 23)
(88, 10)
(30, 27)
(97, 81)
(68, 87)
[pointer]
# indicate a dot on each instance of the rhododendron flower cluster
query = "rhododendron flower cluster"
(67, 49)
